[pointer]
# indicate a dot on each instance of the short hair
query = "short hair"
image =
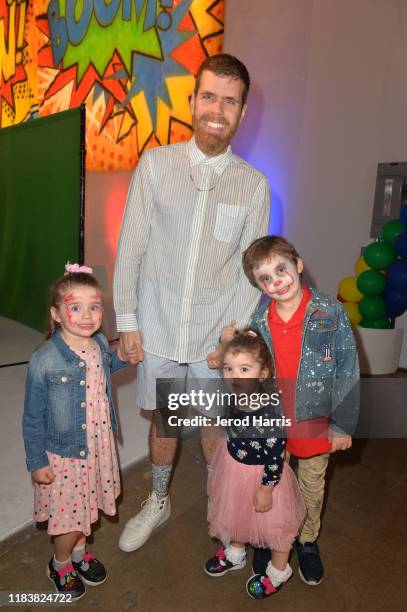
(248, 341)
(61, 287)
(264, 248)
(224, 64)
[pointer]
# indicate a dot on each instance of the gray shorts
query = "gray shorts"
(186, 378)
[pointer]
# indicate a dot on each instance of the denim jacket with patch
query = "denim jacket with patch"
(55, 400)
(327, 382)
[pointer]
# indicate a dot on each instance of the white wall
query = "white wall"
(329, 99)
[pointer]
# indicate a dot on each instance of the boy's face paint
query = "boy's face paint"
(279, 278)
(80, 314)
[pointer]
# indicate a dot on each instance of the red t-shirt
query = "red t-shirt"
(306, 438)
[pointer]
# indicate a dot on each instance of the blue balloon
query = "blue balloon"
(397, 275)
(396, 301)
(400, 245)
(403, 215)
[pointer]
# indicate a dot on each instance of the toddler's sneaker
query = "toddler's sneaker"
(154, 511)
(310, 568)
(220, 565)
(261, 586)
(91, 570)
(66, 580)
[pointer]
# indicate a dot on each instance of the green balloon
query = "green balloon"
(372, 308)
(371, 282)
(382, 323)
(391, 230)
(379, 255)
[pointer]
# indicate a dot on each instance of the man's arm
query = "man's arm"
(134, 236)
(257, 222)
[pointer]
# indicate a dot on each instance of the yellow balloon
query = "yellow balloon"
(361, 266)
(353, 312)
(348, 290)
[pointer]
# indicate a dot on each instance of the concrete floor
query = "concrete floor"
(363, 543)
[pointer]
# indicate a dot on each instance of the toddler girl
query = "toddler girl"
(67, 426)
(253, 494)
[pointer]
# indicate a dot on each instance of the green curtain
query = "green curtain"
(40, 212)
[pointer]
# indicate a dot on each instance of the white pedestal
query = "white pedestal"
(378, 349)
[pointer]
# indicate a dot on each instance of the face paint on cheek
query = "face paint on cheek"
(69, 316)
(290, 278)
(68, 300)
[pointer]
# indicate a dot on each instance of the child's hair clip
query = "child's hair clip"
(251, 333)
(75, 268)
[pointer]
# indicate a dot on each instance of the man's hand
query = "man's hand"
(215, 359)
(339, 442)
(44, 475)
(227, 333)
(263, 501)
(131, 349)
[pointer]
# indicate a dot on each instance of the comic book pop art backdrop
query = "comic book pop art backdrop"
(130, 61)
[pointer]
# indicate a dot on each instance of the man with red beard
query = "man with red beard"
(191, 211)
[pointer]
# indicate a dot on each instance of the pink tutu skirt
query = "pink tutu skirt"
(232, 488)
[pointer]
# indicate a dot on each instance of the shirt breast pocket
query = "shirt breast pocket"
(321, 334)
(60, 402)
(229, 222)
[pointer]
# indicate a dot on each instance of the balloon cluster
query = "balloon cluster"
(378, 291)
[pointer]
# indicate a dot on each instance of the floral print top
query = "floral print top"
(256, 438)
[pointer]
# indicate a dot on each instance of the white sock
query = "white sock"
(235, 554)
(77, 554)
(60, 564)
(276, 576)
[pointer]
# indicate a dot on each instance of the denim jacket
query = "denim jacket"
(327, 382)
(55, 400)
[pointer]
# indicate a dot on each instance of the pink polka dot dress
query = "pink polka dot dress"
(82, 486)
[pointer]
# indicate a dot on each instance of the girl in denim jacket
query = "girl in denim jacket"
(68, 428)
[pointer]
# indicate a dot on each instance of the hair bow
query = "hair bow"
(75, 268)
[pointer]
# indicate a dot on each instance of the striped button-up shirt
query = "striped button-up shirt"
(178, 273)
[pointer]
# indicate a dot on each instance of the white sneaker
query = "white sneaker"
(153, 513)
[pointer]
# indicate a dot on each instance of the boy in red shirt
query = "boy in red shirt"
(317, 370)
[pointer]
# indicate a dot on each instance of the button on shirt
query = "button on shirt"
(178, 274)
(305, 438)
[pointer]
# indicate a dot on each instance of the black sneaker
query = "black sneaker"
(91, 571)
(261, 558)
(310, 568)
(219, 565)
(66, 580)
